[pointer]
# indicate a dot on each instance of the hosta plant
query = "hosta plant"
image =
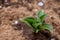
(37, 24)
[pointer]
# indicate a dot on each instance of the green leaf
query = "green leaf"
(47, 26)
(41, 16)
(36, 24)
(40, 13)
(29, 21)
(36, 30)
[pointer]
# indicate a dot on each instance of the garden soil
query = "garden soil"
(16, 10)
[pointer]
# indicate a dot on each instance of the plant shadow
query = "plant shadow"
(27, 31)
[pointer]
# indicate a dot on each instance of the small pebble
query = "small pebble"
(43, 1)
(51, 17)
(0, 7)
(40, 4)
(35, 10)
(53, 39)
(6, 0)
(16, 22)
(20, 19)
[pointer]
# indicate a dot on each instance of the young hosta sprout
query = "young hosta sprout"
(37, 24)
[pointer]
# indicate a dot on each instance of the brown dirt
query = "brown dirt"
(16, 11)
